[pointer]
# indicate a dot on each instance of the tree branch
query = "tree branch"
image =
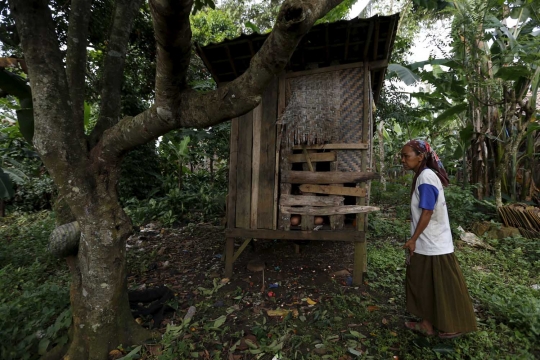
(76, 56)
(56, 137)
(173, 37)
(177, 109)
(113, 68)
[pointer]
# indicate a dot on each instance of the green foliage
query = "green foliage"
(32, 186)
(213, 26)
(463, 208)
(140, 173)
(199, 200)
(338, 13)
(33, 290)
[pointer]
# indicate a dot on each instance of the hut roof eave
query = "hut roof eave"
(341, 42)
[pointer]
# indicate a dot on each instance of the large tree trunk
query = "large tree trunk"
(102, 318)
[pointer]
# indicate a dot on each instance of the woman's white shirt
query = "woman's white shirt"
(428, 194)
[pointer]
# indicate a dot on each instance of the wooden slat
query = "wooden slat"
(255, 164)
(358, 146)
(308, 160)
(233, 163)
(320, 235)
(279, 131)
(327, 177)
(310, 200)
(308, 222)
(323, 70)
(267, 169)
(243, 180)
(314, 157)
(332, 190)
(330, 210)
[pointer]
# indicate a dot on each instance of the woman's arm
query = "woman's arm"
(425, 217)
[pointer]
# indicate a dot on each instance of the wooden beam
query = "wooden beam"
(347, 42)
(332, 190)
(323, 70)
(376, 42)
(357, 146)
(229, 255)
(314, 157)
(202, 55)
(231, 61)
(309, 200)
(251, 49)
(320, 235)
(327, 177)
(379, 64)
(233, 163)
(241, 249)
(360, 248)
(308, 160)
(327, 42)
(368, 41)
(255, 164)
(279, 131)
(267, 171)
(243, 170)
(329, 210)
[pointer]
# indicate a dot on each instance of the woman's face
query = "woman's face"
(410, 160)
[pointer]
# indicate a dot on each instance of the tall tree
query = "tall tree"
(86, 168)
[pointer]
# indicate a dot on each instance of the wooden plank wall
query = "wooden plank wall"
(267, 158)
(243, 171)
(253, 161)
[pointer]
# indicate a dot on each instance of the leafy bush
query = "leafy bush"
(462, 207)
(33, 288)
(140, 170)
(200, 200)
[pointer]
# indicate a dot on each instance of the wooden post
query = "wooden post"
(360, 248)
(229, 257)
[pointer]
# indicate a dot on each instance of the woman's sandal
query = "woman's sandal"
(416, 327)
(449, 335)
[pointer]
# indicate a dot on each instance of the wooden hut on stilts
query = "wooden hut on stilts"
(306, 151)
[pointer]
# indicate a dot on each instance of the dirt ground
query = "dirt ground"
(189, 261)
(188, 257)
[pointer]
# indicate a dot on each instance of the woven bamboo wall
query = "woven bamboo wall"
(326, 108)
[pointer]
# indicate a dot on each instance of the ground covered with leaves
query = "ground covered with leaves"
(308, 308)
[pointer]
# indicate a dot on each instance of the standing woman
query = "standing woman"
(435, 287)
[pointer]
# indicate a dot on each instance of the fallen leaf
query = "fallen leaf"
(115, 354)
(393, 333)
(372, 308)
(225, 280)
(384, 321)
(310, 302)
(277, 312)
(154, 350)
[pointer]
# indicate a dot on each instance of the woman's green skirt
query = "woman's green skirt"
(436, 291)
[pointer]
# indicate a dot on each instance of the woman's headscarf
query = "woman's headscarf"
(431, 160)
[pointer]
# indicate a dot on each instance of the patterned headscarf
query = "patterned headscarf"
(431, 160)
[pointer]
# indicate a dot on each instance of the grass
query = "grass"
(349, 323)
(33, 288)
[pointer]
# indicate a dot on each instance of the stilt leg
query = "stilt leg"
(229, 257)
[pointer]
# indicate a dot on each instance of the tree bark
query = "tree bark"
(87, 176)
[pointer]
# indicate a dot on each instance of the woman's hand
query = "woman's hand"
(411, 245)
